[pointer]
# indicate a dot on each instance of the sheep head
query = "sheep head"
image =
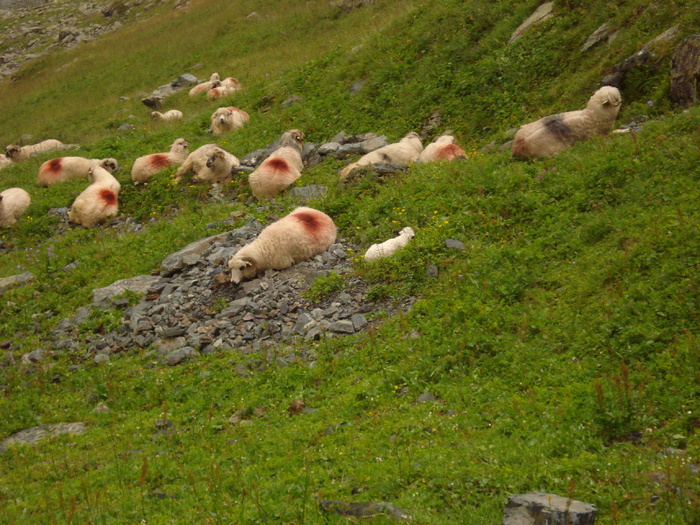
(214, 77)
(216, 154)
(12, 151)
(180, 145)
(242, 267)
(607, 98)
(110, 165)
(293, 138)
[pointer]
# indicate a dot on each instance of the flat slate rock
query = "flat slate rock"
(32, 435)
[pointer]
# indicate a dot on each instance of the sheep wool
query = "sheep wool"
(220, 92)
(442, 149)
(551, 135)
(203, 87)
(4, 161)
(67, 168)
(210, 163)
(301, 235)
(406, 151)
(144, 167)
(169, 116)
(225, 120)
(21, 153)
(99, 201)
(389, 247)
(277, 172)
(13, 204)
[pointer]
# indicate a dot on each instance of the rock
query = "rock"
(34, 356)
(101, 359)
(452, 243)
(31, 436)
(139, 284)
(685, 72)
(431, 271)
(538, 507)
(304, 194)
(15, 280)
(179, 260)
(542, 13)
(156, 98)
(177, 357)
(364, 510)
(596, 37)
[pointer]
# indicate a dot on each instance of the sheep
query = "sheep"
(205, 86)
(21, 153)
(225, 120)
(67, 168)
(147, 165)
(406, 151)
(231, 82)
(442, 148)
(281, 168)
(387, 248)
(13, 203)
(4, 161)
(220, 92)
(302, 234)
(168, 116)
(551, 135)
(99, 201)
(210, 163)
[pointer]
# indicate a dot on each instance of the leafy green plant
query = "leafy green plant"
(323, 287)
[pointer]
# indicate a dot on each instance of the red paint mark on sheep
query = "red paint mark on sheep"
(54, 165)
(310, 222)
(159, 161)
(449, 152)
(278, 164)
(108, 197)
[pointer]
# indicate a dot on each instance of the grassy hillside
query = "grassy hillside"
(558, 350)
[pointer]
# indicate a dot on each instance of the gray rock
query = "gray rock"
(32, 436)
(344, 327)
(596, 37)
(34, 356)
(359, 321)
(101, 359)
(431, 271)
(539, 507)
(307, 193)
(139, 284)
(157, 97)
(15, 280)
(685, 72)
(364, 510)
(452, 243)
(542, 13)
(177, 260)
(177, 357)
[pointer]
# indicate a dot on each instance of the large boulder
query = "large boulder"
(685, 72)
(538, 507)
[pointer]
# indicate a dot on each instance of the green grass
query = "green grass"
(559, 348)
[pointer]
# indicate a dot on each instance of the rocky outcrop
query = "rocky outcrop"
(685, 72)
(541, 14)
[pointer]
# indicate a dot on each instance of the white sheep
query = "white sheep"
(551, 135)
(99, 201)
(387, 248)
(281, 168)
(147, 165)
(169, 116)
(406, 151)
(227, 119)
(442, 149)
(13, 203)
(21, 153)
(231, 82)
(205, 86)
(302, 234)
(210, 163)
(67, 168)
(220, 92)
(4, 161)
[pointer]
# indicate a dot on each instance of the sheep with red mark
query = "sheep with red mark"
(21, 153)
(62, 169)
(442, 149)
(210, 163)
(280, 169)
(406, 151)
(13, 204)
(169, 116)
(205, 86)
(231, 82)
(144, 167)
(301, 235)
(551, 135)
(99, 201)
(220, 92)
(227, 119)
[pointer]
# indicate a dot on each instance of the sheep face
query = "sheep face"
(179, 146)
(216, 155)
(242, 268)
(110, 165)
(607, 97)
(12, 151)
(293, 138)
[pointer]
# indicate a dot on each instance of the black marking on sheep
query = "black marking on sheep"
(556, 126)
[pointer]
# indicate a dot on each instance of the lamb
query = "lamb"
(281, 168)
(13, 203)
(169, 116)
(387, 248)
(302, 234)
(210, 163)
(406, 151)
(99, 201)
(551, 135)
(205, 86)
(220, 92)
(225, 120)
(67, 168)
(442, 149)
(147, 165)
(21, 153)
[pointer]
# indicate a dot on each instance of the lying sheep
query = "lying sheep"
(442, 149)
(205, 86)
(21, 153)
(553, 134)
(68, 168)
(406, 151)
(147, 165)
(302, 234)
(225, 120)
(169, 116)
(99, 201)
(210, 163)
(13, 203)
(231, 82)
(220, 92)
(281, 168)
(4, 161)
(387, 248)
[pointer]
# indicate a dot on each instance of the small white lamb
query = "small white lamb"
(406, 151)
(67, 168)
(281, 168)
(387, 248)
(169, 116)
(302, 234)
(225, 120)
(99, 201)
(442, 149)
(21, 153)
(13, 204)
(147, 165)
(551, 135)
(210, 163)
